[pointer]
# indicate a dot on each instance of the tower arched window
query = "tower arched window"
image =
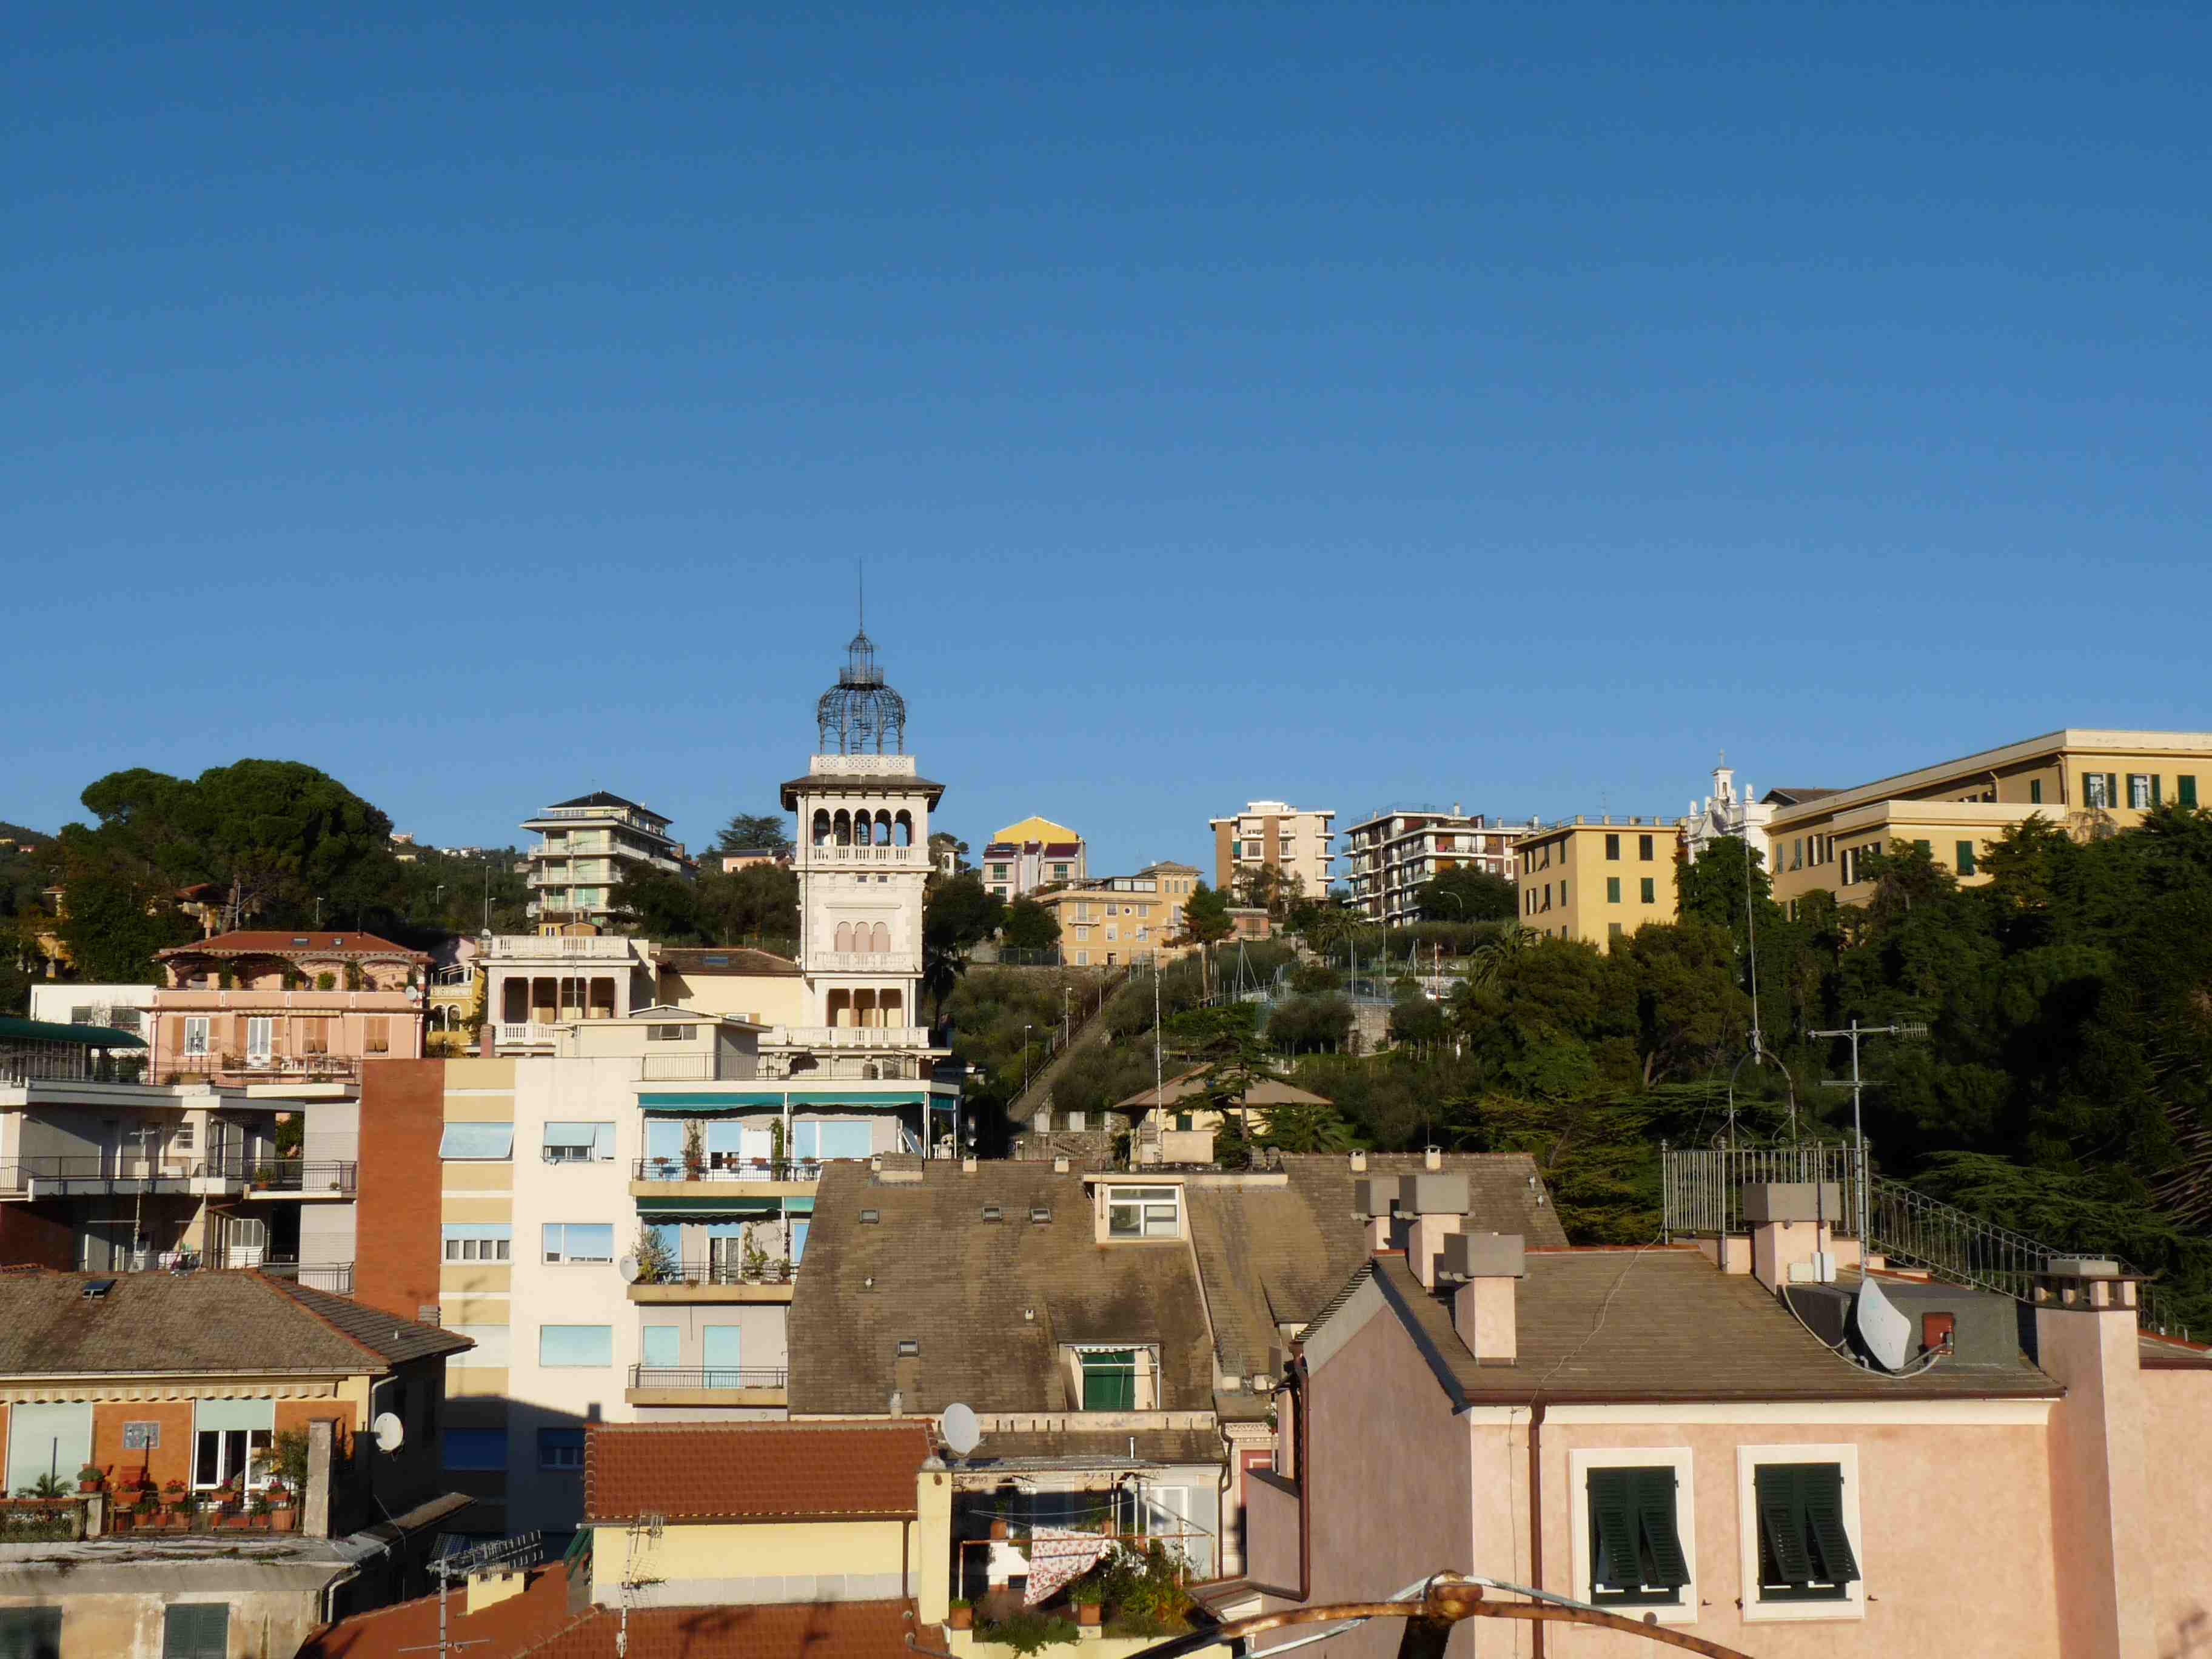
(882, 828)
(880, 938)
(821, 826)
(844, 940)
(904, 827)
(843, 826)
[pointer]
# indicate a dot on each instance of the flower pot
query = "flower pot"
(997, 1529)
(1089, 1612)
(88, 1485)
(961, 1618)
(283, 1520)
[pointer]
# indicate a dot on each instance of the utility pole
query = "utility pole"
(1856, 1084)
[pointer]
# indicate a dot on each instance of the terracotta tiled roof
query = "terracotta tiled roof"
(280, 941)
(752, 1471)
(498, 1632)
(824, 1629)
(722, 959)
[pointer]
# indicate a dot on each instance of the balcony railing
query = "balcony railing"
(694, 1068)
(288, 1174)
(93, 1174)
(830, 852)
(849, 1036)
(725, 1166)
(705, 1376)
(864, 962)
(335, 1277)
(530, 947)
(525, 1032)
(723, 1272)
(333, 1068)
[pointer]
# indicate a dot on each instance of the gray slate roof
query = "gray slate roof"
(1274, 1256)
(958, 1286)
(219, 1323)
(1662, 1324)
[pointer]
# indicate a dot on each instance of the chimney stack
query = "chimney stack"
(1790, 1223)
(1485, 1308)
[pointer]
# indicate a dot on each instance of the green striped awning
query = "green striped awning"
(85, 1036)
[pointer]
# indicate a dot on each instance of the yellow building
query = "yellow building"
(2088, 783)
(1122, 919)
(1597, 879)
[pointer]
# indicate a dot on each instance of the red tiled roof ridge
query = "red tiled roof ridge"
(280, 939)
(549, 1638)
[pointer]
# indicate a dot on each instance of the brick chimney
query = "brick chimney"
(2086, 1337)
(1790, 1222)
(1485, 1307)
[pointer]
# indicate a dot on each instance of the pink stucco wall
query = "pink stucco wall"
(2177, 1409)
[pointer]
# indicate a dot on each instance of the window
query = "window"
(1800, 1532)
(30, 1632)
(1613, 930)
(231, 1437)
(1643, 848)
(564, 1346)
(1143, 1212)
(1109, 1380)
(2142, 790)
(1922, 846)
(2099, 789)
(479, 1143)
(376, 1038)
(1635, 1554)
(665, 1033)
(477, 1241)
(196, 1034)
(1965, 859)
(1649, 889)
(2184, 789)
(474, 1449)
(1797, 854)
(490, 1351)
(1563, 892)
(579, 1241)
(196, 1630)
(1612, 848)
(561, 1448)
(662, 1346)
(580, 1143)
(2035, 791)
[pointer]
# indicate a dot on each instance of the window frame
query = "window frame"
(1144, 1198)
(562, 1445)
(1684, 1609)
(553, 1245)
(1756, 1608)
(196, 1034)
(543, 1363)
(198, 1644)
(456, 1239)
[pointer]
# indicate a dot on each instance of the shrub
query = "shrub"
(1032, 1632)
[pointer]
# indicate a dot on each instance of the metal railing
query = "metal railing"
(722, 1272)
(69, 1062)
(1954, 1243)
(708, 1376)
(264, 1065)
(335, 1277)
(726, 1166)
(289, 1175)
(848, 1036)
(1702, 1188)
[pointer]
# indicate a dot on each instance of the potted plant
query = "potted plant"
(178, 1503)
(326, 981)
(694, 1150)
(962, 1615)
(1088, 1597)
(281, 1516)
(88, 1478)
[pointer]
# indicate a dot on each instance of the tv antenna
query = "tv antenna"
(1856, 1084)
(507, 1554)
(648, 1527)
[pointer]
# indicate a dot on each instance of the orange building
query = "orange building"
(270, 1003)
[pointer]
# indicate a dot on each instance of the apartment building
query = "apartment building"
(1597, 879)
(2089, 783)
(582, 849)
(1122, 918)
(1391, 851)
(1703, 1438)
(272, 1003)
(1033, 853)
(1295, 840)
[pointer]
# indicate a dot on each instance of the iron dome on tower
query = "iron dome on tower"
(861, 714)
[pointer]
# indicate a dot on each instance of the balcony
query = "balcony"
(529, 947)
(335, 1277)
(111, 1177)
(262, 1068)
(864, 962)
(822, 854)
(289, 1177)
(684, 1385)
(847, 1036)
(716, 1281)
(525, 1033)
(697, 1068)
(724, 1175)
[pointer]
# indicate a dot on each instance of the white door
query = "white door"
(260, 1040)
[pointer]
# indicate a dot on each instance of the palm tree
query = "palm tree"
(1492, 956)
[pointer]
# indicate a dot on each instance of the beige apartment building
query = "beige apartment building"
(2089, 783)
(1294, 839)
(1392, 851)
(1122, 918)
(1597, 879)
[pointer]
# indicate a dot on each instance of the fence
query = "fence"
(707, 1376)
(1702, 1188)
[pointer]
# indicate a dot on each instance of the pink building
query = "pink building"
(1700, 1438)
(276, 1003)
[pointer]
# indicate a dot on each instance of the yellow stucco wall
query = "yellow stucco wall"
(1563, 876)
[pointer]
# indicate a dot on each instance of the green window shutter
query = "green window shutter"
(1614, 1563)
(1922, 846)
(2035, 791)
(196, 1630)
(1965, 859)
(1783, 1556)
(1110, 1381)
(2157, 781)
(1662, 1546)
(1612, 889)
(1650, 891)
(1821, 1487)
(2184, 789)
(30, 1632)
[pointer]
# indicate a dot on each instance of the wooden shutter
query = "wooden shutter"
(2157, 784)
(1613, 1564)
(2184, 789)
(1655, 1508)
(196, 1630)
(1821, 1487)
(1783, 1556)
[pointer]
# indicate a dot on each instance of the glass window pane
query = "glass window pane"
(663, 1347)
(564, 1346)
(476, 1448)
(481, 1142)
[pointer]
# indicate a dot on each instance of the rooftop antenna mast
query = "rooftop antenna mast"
(507, 1554)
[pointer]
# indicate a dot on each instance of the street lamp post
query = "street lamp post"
(1026, 1030)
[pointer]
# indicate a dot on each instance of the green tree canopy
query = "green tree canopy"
(1029, 925)
(747, 832)
(1206, 916)
(1465, 894)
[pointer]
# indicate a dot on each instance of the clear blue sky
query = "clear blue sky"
(1513, 406)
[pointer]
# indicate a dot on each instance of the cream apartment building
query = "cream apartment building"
(1597, 878)
(2089, 783)
(1122, 919)
(1295, 839)
(583, 846)
(1389, 853)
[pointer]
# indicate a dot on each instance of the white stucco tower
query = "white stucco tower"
(862, 862)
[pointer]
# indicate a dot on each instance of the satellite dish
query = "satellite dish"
(628, 1268)
(389, 1430)
(1885, 1331)
(960, 1431)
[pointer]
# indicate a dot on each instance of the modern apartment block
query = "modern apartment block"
(1596, 878)
(1390, 851)
(583, 846)
(1033, 853)
(1122, 918)
(2089, 783)
(1293, 839)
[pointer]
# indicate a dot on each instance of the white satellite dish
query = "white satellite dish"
(1885, 1331)
(389, 1430)
(628, 1268)
(960, 1429)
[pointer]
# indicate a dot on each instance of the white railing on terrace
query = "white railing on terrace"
(864, 962)
(530, 947)
(829, 851)
(696, 1068)
(526, 1032)
(848, 1036)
